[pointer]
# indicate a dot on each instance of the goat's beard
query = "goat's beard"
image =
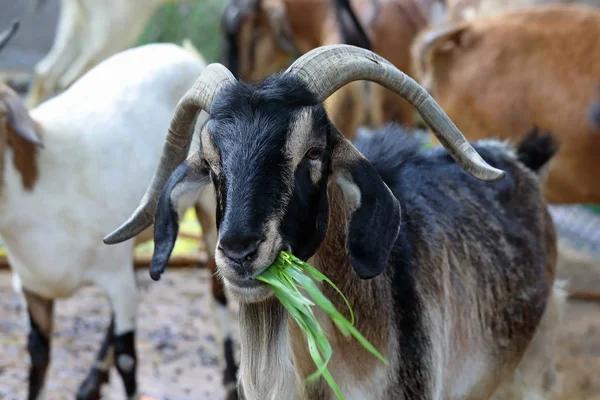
(266, 367)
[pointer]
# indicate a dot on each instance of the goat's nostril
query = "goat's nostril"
(240, 248)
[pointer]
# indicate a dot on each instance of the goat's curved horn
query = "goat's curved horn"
(8, 33)
(328, 68)
(175, 150)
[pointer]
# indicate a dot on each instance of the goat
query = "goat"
(499, 76)
(452, 293)
(262, 36)
(466, 10)
(100, 137)
(88, 32)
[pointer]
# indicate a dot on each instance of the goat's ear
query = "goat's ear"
(18, 118)
(180, 193)
(442, 39)
(374, 221)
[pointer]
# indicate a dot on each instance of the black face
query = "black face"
(270, 152)
(269, 162)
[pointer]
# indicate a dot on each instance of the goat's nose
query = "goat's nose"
(240, 247)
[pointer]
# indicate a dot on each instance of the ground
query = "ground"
(177, 341)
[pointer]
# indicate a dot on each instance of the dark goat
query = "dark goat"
(452, 293)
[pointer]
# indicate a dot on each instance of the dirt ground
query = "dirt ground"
(177, 341)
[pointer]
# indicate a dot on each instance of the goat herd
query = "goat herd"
(447, 254)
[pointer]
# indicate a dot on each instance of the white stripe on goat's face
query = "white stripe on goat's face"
(269, 163)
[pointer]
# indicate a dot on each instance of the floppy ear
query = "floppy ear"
(180, 192)
(374, 211)
(436, 41)
(18, 118)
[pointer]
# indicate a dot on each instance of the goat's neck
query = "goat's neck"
(269, 341)
(352, 366)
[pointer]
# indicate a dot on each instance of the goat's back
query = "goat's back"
(473, 265)
(498, 77)
(104, 135)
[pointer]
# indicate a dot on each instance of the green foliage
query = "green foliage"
(197, 20)
(287, 275)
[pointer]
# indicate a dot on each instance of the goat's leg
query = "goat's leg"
(98, 30)
(41, 315)
(119, 284)
(99, 374)
(67, 44)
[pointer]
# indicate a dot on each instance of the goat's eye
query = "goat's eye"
(314, 153)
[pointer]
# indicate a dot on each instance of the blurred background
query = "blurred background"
(177, 334)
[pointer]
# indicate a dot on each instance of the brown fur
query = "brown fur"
(364, 297)
(313, 23)
(461, 10)
(498, 77)
(24, 152)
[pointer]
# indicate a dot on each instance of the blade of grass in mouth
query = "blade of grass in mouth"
(286, 276)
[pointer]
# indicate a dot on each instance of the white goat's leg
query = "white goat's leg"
(97, 34)
(117, 277)
(67, 44)
(536, 377)
(41, 315)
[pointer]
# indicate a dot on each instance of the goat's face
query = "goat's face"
(270, 160)
(258, 41)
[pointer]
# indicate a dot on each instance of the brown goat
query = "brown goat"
(498, 77)
(262, 37)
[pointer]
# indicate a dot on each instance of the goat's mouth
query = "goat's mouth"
(248, 290)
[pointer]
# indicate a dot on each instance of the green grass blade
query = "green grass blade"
(293, 282)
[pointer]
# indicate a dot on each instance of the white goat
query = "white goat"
(88, 32)
(101, 142)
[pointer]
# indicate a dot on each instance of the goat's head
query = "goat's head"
(258, 38)
(19, 132)
(432, 53)
(270, 152)
(17, 129)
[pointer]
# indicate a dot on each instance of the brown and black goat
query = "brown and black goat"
(450, 277)
(499, 76)
(262, 36)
